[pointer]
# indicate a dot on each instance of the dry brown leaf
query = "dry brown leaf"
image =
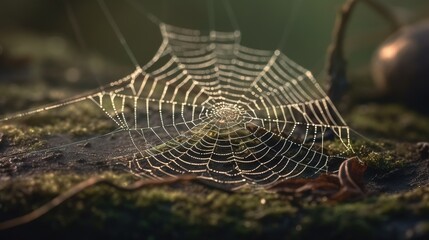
(350, 174)
(346, 185)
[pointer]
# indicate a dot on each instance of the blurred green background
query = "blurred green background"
(41, 33)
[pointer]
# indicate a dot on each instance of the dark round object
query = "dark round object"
(400, 66)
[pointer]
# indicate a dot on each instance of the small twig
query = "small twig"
(37, 213)
(336, 64)
(385, 12)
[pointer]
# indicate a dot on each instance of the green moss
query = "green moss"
(83, 120)
(382, 161)
(162, 211)
(386, 156)
(191, 211)
(28, 138)
(368, 218)
(392, 121)
(381, 156)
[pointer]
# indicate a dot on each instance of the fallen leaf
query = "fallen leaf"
(351, 174)
(347, 184)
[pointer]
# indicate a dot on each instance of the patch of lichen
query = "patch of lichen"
(191, 211)
(390, 121)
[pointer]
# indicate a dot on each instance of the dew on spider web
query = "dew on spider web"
(208, 106)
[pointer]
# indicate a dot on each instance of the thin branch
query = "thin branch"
(90, 182)
(336, 62)
(336, 66)
(385, 12)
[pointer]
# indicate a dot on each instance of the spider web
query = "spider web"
(208, 106)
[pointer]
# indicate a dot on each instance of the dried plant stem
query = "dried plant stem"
(90, 182)
(336, 64)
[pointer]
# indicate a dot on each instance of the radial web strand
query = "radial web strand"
(233, 115)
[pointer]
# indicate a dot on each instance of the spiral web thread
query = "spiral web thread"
(233, 115)
(206, 105)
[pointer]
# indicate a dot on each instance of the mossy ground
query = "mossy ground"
(191, 211)
(396, 206)
(392, 121)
